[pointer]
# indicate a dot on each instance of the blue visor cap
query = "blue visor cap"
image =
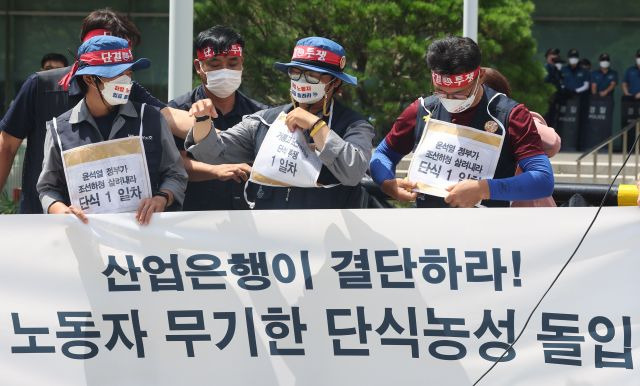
(107, 57)
(320, 55)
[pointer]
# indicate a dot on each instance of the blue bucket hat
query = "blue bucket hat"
(107, 57)
(320, 55)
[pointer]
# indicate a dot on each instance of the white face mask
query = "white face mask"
(116, 92)
(558, 66)
(223, 83)
(573, 61)
(455, 106)
(307, 93)
(638, 61)
(605, 64)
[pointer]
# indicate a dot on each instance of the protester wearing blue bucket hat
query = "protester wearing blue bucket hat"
(109, 154)
(341, 136)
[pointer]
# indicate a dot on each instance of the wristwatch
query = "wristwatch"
(163, 194)
(203, 118)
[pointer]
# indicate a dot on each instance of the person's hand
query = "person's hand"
(603, 93)
(60, 208)
(149, 206)
(399, 189)
(300, 118)
(467, 193)
(202, 108)
(237, 172)
(637, 96)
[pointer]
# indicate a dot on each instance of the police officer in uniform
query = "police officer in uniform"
(604, 79)
(553, 66)
(577, 80)
(631, 81)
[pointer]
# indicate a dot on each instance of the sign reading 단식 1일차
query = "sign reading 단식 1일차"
(285, 158)
(354, 297)
(107, 177)
(448, 153)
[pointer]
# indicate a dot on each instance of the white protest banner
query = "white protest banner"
(354, 297)
(285, 158)
(448, 153)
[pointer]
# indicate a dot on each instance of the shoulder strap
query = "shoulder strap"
(425, 108)
(141, 117)
(498, 107)
(55, 130)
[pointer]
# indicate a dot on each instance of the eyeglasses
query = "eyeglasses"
(458, 96)
(296, 74)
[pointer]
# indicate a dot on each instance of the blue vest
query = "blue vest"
(83, 133)
(338, 197)
(500, 108)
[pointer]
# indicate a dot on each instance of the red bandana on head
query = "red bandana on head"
(208, 52)
(66, 80)
(97, 58)
(457, 80)
(318, 55)
(96, 32)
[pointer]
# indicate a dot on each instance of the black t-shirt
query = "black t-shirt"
(40, 99)
(216, 195)
(105, 123)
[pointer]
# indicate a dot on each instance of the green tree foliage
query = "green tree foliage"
(385, 43)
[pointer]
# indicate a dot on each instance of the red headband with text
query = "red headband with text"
(97, 58)
(458, 80)
(66, 80)
(208, 52)
(95, 32)
(318, 55)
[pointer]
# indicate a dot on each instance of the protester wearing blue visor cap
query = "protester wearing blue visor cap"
(108, 154)
(105, 60)
(341, 136)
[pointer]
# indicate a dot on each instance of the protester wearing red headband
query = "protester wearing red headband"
(47, 94)
(460, 97)
(341, 136)
(127, 134)
(219, 64)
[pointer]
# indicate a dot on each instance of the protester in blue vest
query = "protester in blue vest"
(631, 82)
(342, 136)
(605, 79)
(461, 98)
(219, 64)
(105, 114)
